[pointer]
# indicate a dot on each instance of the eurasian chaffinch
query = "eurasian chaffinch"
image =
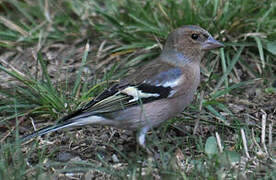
(152, 94)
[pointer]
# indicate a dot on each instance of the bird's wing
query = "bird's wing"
(158, 81)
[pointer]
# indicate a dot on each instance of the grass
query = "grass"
(56, 56)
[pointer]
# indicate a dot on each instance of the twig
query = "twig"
(264, 118)
(32, 120)
(219, 143)
(244, 143)
(270, 136)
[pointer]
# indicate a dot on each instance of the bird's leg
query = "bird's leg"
(141, 139)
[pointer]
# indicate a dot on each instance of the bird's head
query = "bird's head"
(191, 41)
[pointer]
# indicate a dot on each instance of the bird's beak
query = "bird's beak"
(211, 43)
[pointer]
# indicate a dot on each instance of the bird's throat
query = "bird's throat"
(175, 57)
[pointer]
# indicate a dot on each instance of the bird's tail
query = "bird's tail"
(75, 119)
(46, 130)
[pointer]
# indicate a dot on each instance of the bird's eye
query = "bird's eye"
(195, 36)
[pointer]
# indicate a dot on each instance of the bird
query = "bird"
(151, 94)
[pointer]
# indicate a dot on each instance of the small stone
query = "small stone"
(115, 158)
(64, 156)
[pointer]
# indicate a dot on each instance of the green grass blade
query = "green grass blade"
(261, 51)
(229, 69)
(83, 62)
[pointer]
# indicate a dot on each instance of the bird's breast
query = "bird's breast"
(188, 82)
